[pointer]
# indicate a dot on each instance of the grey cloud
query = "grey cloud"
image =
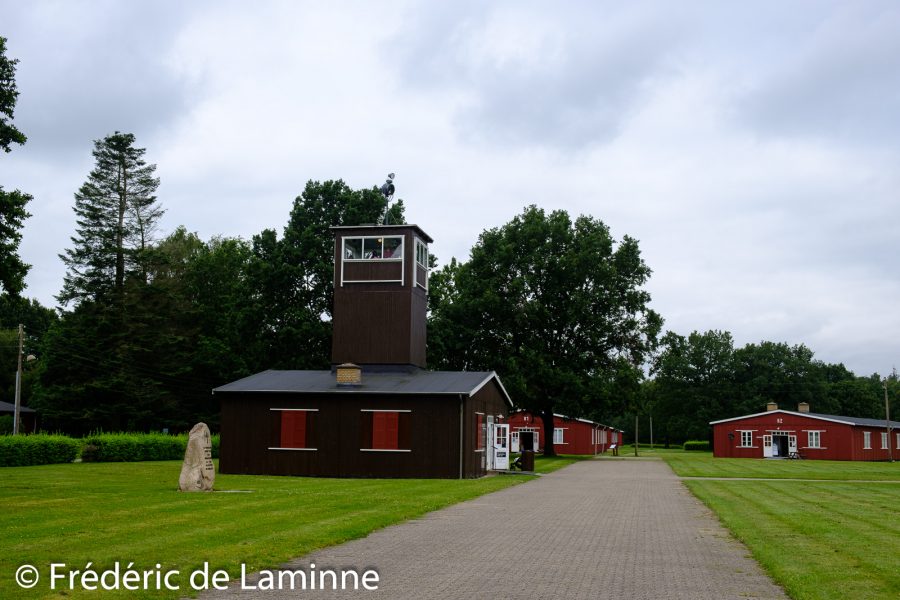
(82, 77)
(577, 93)
(841, 81)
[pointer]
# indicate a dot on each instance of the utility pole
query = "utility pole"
(18, 383)
(635, 434)
(887, 418)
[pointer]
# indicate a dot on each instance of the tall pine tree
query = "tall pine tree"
(12, 204)
(117, 213)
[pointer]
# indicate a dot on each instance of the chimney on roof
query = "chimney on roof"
(771, 406)
(803, 407)
(349, 375)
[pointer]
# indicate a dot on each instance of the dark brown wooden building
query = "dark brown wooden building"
(377, 412)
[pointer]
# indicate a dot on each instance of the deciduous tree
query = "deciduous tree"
(556, 306)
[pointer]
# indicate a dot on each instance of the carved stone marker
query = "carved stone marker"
(198, 472)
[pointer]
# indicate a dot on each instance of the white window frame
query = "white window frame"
(898, 440)
(394, 259)
(294, 410)
(814, 439)
(419, 244)
(559, 436)
(884, 440)
(749, 435)
(867, 440)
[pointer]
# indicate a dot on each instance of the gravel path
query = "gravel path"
(597, 529)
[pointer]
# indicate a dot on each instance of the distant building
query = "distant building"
(377, 412)
(570, 435)
(27, 416)
(778, 433)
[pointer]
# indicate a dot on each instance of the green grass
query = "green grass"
(822, 540)
(107, 512)
(703, 464)
(544, 464)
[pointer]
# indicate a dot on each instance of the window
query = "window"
(898, 441)
(558, 436)
(867, 440)
(385, 431)
(480, 432)
(814, 439)
(884, 440)
(421, 253)
(373, 248)
(293, 428)
(603, 436)
(746, 439)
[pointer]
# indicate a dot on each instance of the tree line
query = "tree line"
(148, 324)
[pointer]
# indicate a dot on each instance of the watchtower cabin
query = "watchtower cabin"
(377, 412)
(380, 295)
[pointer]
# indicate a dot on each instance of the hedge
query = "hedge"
(133, 447)
(40, 449)
(695, 445)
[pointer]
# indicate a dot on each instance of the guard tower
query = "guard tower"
(380, 296)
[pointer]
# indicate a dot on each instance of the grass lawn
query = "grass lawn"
(131, 512)
(818, 539)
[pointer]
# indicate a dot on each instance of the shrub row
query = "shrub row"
(695, 445)
(41, 449)
(24, 450)
(133, 447)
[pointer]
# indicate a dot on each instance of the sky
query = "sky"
(751, 148)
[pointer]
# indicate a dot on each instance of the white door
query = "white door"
(792, 443)
(514, 441)
(767, 446)
(501, 447)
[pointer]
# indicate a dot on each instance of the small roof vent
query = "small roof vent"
(349, 375)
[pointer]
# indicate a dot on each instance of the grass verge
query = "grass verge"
(823, 540)
(818, 539)
(131, 512)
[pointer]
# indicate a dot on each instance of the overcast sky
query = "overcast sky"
(752, 148)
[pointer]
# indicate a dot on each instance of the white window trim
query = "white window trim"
(885, 440)
(419, 242)
(751, 432)
(867, 440)
(819, 433)
(300, 449)
(396, 410)
(898, 441)
(401, 259)
(384, 450)
(297, 409)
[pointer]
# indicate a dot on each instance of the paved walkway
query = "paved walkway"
(597, 529)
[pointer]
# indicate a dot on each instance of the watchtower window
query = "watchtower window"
(421, 253)
(373, 248)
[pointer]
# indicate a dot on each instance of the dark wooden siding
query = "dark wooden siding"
(247, 434)
(378, 323)
(489, 401)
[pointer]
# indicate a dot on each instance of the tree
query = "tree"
(12, 204)
(293, 277)
(694, 383)
(8, 95)
(117, 213)
(555, 306)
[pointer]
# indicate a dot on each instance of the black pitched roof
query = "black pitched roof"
(323, 382)
(6, 407)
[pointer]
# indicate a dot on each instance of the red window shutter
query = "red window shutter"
(479, 424)
(385, 430)
(293, 429)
